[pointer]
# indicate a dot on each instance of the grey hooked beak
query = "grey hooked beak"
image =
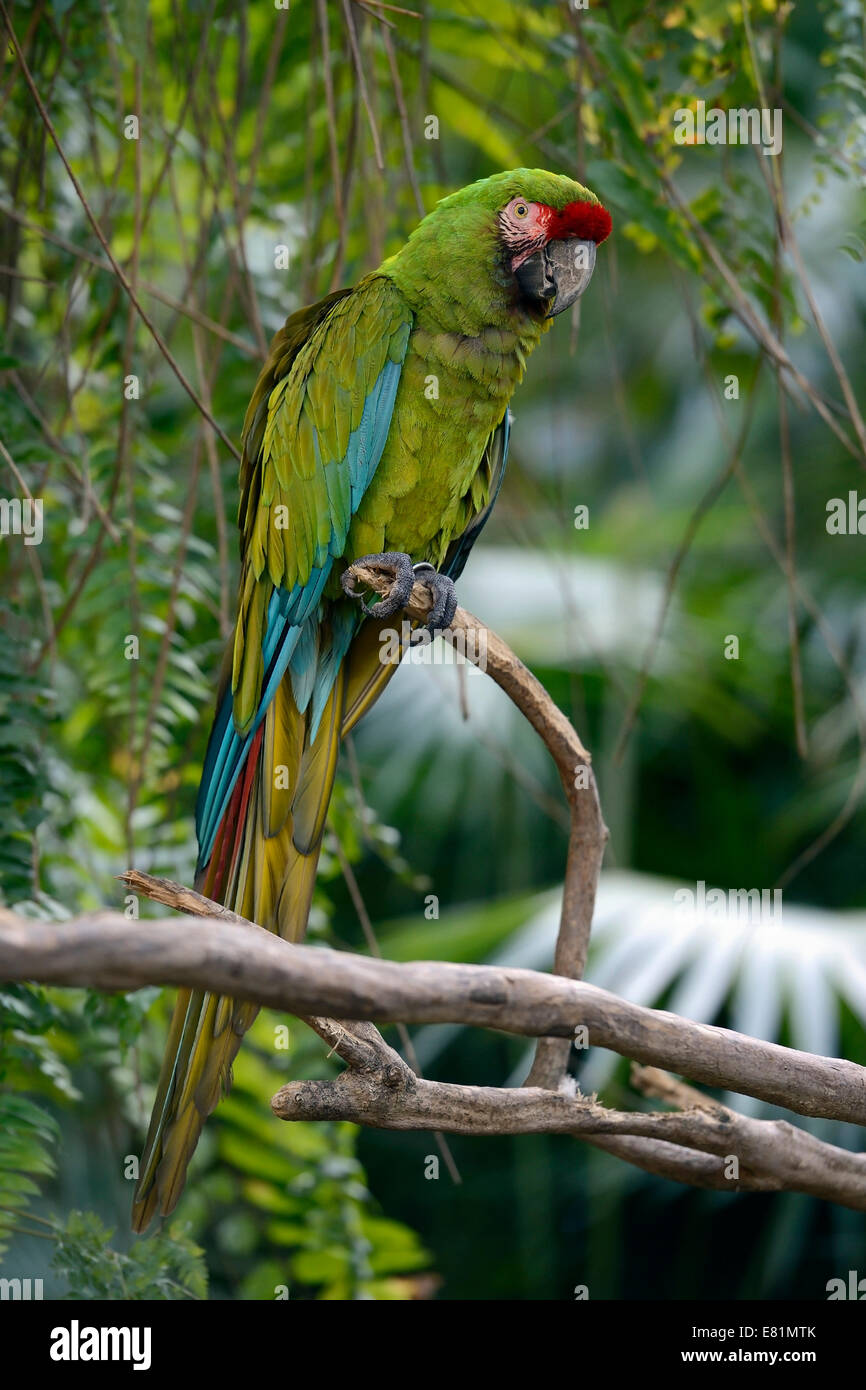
(560, 272)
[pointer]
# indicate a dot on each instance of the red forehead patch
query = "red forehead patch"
(589, 221)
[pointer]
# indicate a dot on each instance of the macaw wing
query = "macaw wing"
(482, 496)
(313, 437)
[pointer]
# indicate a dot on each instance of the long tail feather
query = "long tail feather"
(263, 866)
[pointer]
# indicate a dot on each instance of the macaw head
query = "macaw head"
(511, 250)
(520, 242)
(549, 231)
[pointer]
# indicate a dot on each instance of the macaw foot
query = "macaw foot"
(444, 596)
(402, 573)
(394, 565)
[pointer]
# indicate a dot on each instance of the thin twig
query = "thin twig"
(362, 84)
(98, 233)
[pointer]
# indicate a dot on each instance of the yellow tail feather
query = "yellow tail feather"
(270, 880)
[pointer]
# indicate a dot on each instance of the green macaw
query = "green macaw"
(378, 430)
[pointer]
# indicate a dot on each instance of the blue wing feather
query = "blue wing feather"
(293, 617)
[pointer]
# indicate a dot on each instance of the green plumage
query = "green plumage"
(469, 337)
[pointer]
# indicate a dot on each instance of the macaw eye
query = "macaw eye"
(521, 210)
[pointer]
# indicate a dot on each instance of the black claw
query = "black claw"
(403, 574)
(444, 597)
(399, 568)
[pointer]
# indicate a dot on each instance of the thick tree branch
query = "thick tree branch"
(108, 951)
(364, 1049)
(702, 1142)
(588, 833)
